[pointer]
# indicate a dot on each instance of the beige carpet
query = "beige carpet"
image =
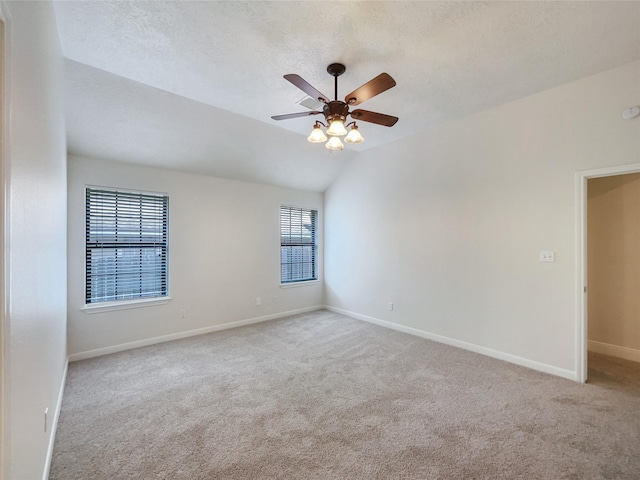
(323, 396)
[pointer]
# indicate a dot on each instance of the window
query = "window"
(126, 245)
(298, 245)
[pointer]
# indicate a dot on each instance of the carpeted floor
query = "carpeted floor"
(323, 396)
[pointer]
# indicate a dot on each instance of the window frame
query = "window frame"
(314, 244)
(135, 301)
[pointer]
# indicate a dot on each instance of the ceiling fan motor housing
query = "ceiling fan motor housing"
(336, 110)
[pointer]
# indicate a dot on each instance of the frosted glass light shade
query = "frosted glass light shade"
(354, 136)
(336, 129)
(334, 144)
(317, 135)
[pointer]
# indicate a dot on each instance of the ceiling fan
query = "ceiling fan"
(336, 111)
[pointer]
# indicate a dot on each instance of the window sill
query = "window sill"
(299, 284)
(124, 305)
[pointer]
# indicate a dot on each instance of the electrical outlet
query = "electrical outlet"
(390, 307)
(275, 299)
(547, 256)
(258, 301)
(183, 314)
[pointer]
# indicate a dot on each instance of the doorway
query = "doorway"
(582, 290)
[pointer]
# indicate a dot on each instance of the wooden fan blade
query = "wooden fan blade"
(306, 87)
(294, 115)
(376, 86)
(373, 117)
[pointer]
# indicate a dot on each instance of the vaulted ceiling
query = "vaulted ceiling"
(192, 85)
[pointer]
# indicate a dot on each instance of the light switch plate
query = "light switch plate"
(547, 256)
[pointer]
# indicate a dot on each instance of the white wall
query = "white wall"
(223, 253)
(448, 225)
(35, 178)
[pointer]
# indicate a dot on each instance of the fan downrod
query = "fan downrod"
(336, 69)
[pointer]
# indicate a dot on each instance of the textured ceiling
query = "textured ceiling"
(198, 76)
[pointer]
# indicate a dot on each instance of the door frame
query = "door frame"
(5, 61)
(582, 319)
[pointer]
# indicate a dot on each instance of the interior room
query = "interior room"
(497, 137)
(614, 227)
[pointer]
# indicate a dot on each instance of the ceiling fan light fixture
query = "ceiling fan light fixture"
(334, 144)
(317, 135)
(336, 128)
(336, 111)
(354, 136)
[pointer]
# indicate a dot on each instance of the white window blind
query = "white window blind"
(298, 245)
(126, 245)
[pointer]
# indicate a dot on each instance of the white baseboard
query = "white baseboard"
(54, 423)
(74, 357)
(614, 350)
(507, 357)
